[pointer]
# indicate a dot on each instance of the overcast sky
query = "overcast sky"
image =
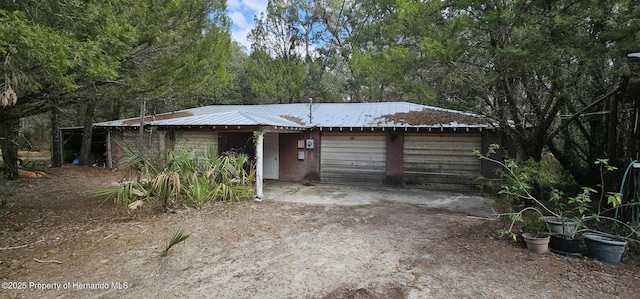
(241, 13)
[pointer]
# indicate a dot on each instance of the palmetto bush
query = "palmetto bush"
(199, 191)
(125, 192)
(166, 186)
(183, 176)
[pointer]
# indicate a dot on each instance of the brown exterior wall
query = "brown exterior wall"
(308, 169)
(293, 169)
(118, 155)
(395, 165)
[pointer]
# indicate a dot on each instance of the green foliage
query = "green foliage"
(582, 201)
(182, 176)
(518, 184)
(199, 191)
(71, 50)
(522, 63)
(232, 182)
(178, 237)
(124, 193)
(276, 80)
(543, 179)
(533, 222)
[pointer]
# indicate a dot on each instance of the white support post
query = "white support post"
(259, 163)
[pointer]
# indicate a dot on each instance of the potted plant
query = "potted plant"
(534, 232)
(601, 246)
(536, 242)
(605, 248)
(565, 238)
(563, 226)
(566, 232)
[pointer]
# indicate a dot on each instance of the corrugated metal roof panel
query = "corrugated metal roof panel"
(230, 118)
(379, 114)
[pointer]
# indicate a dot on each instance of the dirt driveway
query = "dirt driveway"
(54, 235)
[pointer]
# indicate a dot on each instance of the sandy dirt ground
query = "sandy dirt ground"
(57, 241)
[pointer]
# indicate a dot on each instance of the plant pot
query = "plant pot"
(559, 226)
(604, 248)
(536, 243)
(566, 246)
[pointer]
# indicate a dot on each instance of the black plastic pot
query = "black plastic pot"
(604, 248)
(566, 246)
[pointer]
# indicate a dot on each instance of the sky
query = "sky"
(241, 13)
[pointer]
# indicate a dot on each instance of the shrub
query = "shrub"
(184, 177)
(519, 185)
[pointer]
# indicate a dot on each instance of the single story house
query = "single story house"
(395, 143)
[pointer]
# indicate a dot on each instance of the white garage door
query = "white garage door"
(353, 158)
(444, 161)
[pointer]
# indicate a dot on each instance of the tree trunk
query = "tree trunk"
(8, 143)
(87, 133)
(529, 147)
(115, 109)
(56, 145)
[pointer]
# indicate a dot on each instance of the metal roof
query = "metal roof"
(300, 115)
(230, 118)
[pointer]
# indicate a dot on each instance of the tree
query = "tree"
(525, 63)
(59, 53)
(522, 63)
(238, 66)
(294, 51)
(276, 70)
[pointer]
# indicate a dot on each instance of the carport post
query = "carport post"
(259, 138)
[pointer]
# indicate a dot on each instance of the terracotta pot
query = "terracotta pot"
(536, 243)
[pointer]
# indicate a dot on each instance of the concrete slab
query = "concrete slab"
(349, 195)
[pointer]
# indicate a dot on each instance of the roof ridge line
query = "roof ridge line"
(246, 114)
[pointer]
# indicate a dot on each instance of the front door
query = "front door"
(270, 166)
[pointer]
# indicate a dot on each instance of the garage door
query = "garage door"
(442, 161)
(353, 158)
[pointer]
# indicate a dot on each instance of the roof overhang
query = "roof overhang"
(295, 117)
(409, 129)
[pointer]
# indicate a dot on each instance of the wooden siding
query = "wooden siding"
(151, 141)
(353, 158)
(198, 141)
(442, 161)
(131, 139)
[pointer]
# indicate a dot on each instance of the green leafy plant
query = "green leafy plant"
(182, 176)
(518, 185)
(124, 193)
(198, 191)
(178, 237)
